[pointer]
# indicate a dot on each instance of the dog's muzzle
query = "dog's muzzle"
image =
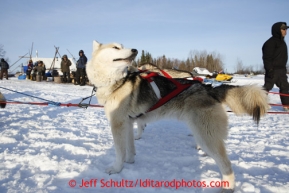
(130, 58)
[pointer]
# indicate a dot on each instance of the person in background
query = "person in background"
(39, 70)
(80, 69)
(275, 56)
(4, 69)
(33, 72)
(36, 63)
(29, 69)
(65, 68)
(43, 71)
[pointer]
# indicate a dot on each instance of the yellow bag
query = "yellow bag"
(224, 77)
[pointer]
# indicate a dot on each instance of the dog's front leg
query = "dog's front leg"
(119, 137)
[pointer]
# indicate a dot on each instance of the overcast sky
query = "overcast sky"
(234, 29)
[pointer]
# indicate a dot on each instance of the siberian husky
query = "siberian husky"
(2, 101)
(129, 96)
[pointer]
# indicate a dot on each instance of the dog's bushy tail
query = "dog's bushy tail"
(2, 101)
(248, 99)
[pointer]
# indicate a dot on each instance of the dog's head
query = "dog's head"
(109, 63)
(113, 54)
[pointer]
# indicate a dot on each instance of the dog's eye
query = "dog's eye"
(116, 47)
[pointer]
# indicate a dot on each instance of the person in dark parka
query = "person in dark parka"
(275, 56)
(80, 69)
(4, 69)
(29, 69)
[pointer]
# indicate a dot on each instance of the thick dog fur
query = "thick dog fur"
(174, 73)
(2, 100)
(126, 95)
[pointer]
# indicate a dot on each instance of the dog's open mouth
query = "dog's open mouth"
(129, 59)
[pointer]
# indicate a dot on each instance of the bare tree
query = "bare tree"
(2, 51)
(260, 69)
(239, 67)
(211, 61)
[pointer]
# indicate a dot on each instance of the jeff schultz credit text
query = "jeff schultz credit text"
(145, 183)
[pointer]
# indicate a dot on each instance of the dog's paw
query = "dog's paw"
(137, 137)
(200, 151)
(113, 170)
(198, 147)
(2, 105)
(129, 160)
(226, 191)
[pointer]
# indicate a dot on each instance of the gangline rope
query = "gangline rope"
(84, 105)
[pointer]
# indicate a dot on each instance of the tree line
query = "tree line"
(2, 51)
(255, 69)
(211, 61)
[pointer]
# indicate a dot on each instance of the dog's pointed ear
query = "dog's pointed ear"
(95, 45)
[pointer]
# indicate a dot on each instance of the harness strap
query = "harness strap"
(166, 74)
(153, 84)
(167, 98)
(179, 89)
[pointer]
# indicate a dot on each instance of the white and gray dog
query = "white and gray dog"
(128, 96)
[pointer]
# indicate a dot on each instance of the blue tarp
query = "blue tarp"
(22, 77)
(25, 68)
(48, 74)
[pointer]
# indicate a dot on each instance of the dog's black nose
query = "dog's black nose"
(133, 50)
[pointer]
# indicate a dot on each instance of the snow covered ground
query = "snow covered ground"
(51, 149)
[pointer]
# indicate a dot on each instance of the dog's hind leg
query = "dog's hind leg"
(130, 148)
(210, 131)
(140, 128)
(218, 152)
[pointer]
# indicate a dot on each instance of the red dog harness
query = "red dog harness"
(163, 100)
